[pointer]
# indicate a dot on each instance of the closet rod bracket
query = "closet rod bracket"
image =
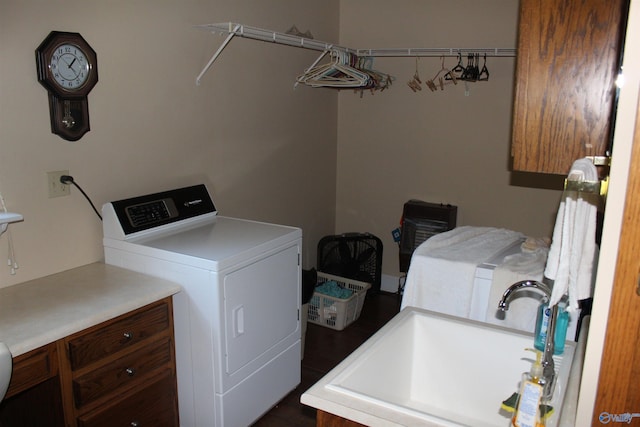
(215, 55)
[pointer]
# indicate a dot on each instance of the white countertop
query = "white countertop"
(41, 311)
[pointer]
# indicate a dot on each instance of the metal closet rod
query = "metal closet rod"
(246, 31)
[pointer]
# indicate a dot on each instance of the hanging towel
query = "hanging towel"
(573, 247)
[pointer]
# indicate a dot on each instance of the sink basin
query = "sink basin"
(6, 365)
(426, 368)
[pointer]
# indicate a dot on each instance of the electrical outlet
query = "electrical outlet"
(57, 188)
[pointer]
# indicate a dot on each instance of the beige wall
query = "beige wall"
(442, 147)
(266, 151)
(307, 157)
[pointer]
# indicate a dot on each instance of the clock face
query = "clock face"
(69, 67)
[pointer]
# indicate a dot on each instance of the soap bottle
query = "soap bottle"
(562, 323)
(542, 324)
(527, 413)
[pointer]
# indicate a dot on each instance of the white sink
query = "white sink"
(428, 369)
(6, 365)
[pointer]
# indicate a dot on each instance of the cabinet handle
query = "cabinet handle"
(130, 371)
(134, 424)
(128, 335)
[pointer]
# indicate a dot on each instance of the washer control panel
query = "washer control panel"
(151, 213)
(153, 210)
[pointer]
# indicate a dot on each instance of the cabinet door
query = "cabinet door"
(33, 368)
(567, 60)
(34, 384)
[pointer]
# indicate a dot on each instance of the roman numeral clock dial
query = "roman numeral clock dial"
(68, 69)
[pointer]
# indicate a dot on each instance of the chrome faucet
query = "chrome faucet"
(548, 365)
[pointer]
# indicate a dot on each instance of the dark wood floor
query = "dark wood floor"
(324, 349)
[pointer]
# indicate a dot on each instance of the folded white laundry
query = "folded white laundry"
(526, 265)
(442, 269)
(573, 247)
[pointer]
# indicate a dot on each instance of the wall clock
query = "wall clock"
(68, 69)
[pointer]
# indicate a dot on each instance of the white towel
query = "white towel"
(573, 247)
(442, 269)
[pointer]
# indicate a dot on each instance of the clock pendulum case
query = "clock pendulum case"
(68, 69)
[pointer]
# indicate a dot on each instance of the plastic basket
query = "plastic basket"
(336, 313)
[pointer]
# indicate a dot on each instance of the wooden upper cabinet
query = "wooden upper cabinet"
(567, 63)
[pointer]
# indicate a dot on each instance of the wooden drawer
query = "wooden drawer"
(33, 368)
(110, 337)
(126, 371)
(153, 405)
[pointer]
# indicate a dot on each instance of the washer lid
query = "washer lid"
(216, 245)
(220, 239)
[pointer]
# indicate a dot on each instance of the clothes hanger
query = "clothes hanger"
(338, 73)
(466, 74)
(476, 69)
(440, 77)
(415, 83)
(457, 71)
(378, 80)
(471, 70)
(484, 73)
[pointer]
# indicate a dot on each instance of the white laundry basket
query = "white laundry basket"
(337, 313)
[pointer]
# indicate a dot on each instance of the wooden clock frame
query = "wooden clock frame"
(68, 107)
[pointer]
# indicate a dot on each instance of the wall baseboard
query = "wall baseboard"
(389, 283)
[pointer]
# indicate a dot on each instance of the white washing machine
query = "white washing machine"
(237, 320)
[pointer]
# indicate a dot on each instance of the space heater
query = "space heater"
(356, 256)
(421, 220)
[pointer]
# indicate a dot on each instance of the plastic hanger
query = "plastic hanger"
(378, 81)
(338, 73)
(484, 73)
(471, 71)
(457, 71)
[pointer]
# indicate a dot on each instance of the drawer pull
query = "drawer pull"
(134, 424)
(130, 371)
(128, 335)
